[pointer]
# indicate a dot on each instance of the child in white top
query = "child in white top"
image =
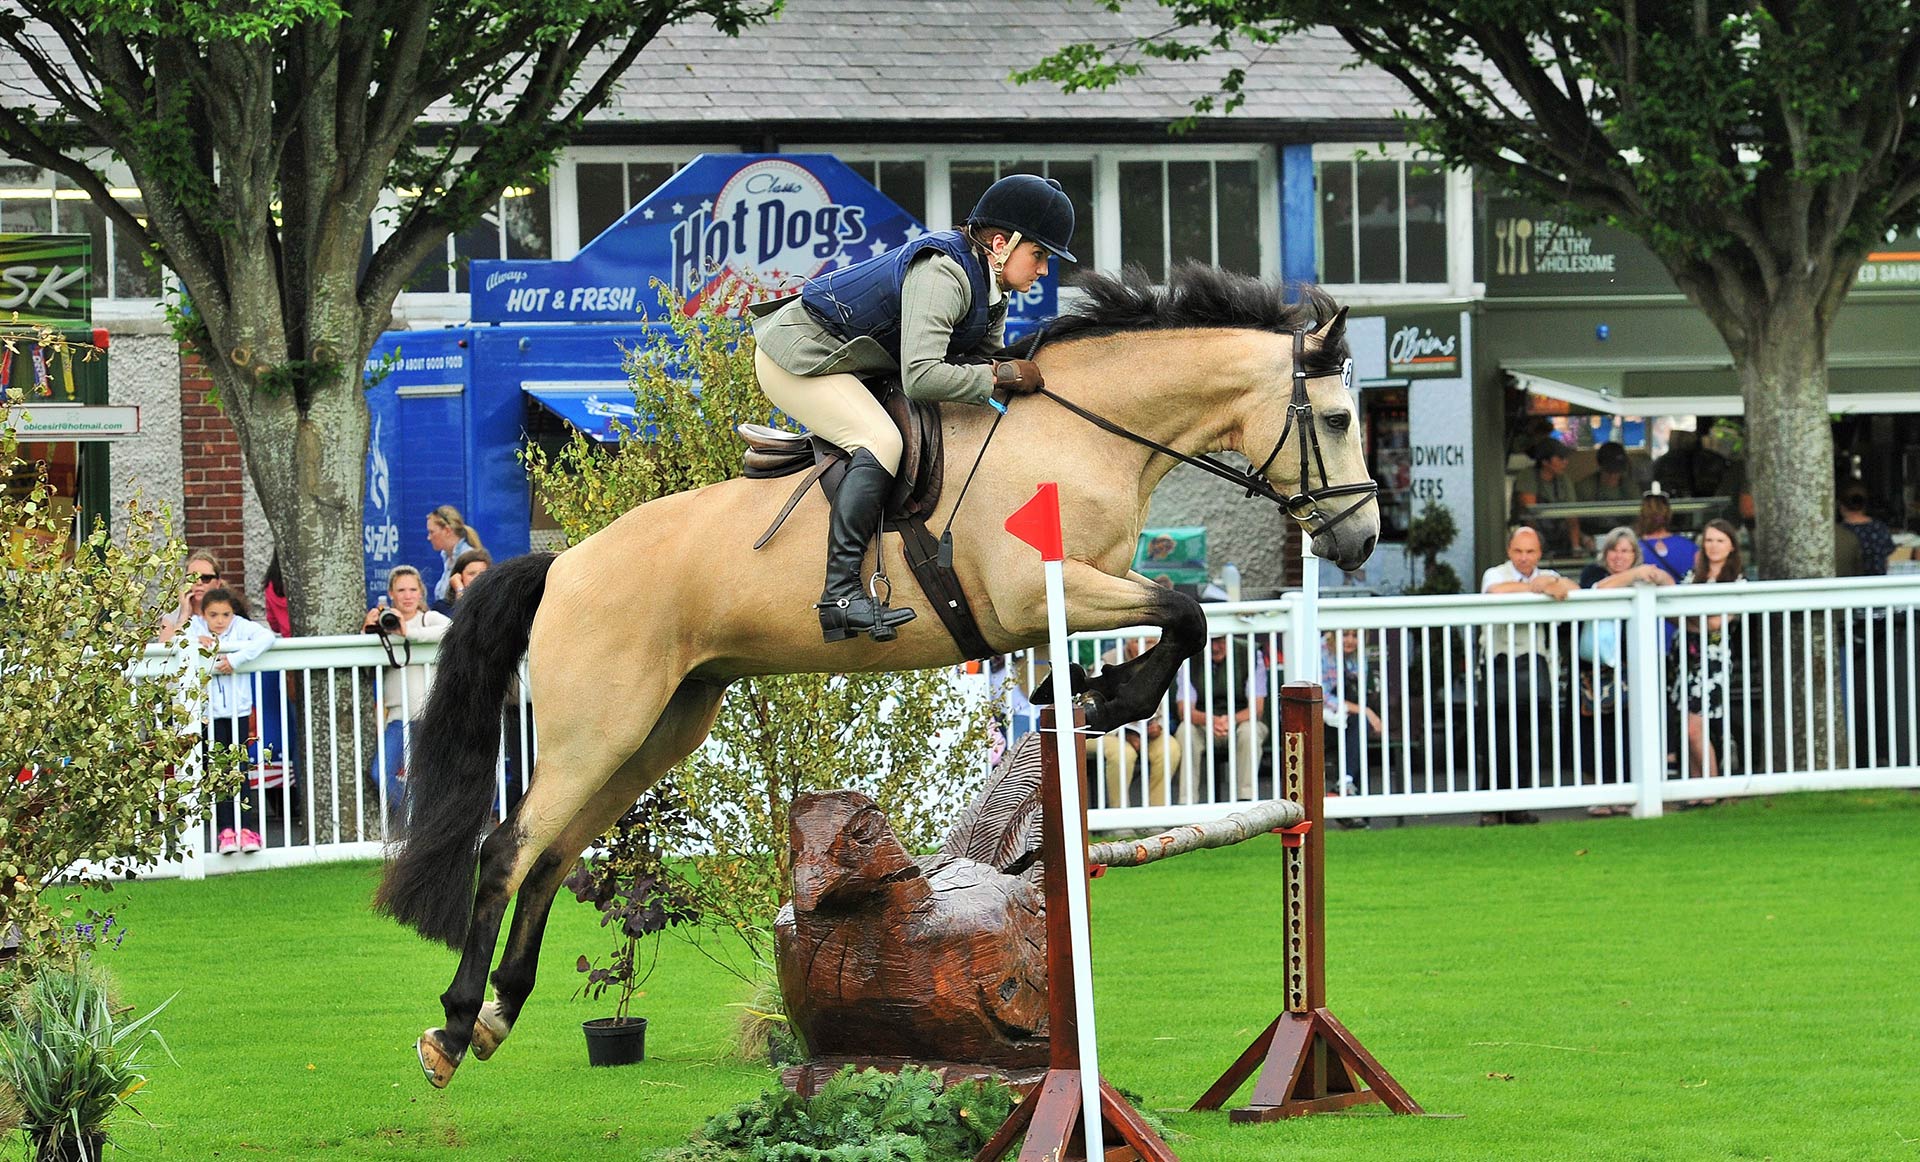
(230, 701)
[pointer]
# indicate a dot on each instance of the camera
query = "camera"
(389, 622)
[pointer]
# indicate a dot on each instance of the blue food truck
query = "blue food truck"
(452, 409)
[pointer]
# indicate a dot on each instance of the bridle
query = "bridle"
(1308, 506)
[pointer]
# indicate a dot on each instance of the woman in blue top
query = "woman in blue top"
(932, 310)
(1669, 550)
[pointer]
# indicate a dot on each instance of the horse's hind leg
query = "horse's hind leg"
(682, 727)
(583, 752)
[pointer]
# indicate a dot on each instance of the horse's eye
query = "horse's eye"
(1340, 421)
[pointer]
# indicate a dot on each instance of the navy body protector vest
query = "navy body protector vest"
(864, 299)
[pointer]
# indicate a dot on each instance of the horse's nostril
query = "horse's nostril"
(1366, 548)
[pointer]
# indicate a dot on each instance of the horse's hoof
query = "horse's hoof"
(434, 1060)
(1104, 715)
(489, 1029)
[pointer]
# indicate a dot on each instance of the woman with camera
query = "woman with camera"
(401, 618)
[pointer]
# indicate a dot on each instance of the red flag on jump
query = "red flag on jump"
(1037, 522)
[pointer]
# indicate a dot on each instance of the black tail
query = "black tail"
(428, 884)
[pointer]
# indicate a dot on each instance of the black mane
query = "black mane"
(1198, 296)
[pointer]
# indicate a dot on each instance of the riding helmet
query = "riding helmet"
(1035, 206)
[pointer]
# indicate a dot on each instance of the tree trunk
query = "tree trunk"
(309, 468)
(306, 446)
(1783, 379)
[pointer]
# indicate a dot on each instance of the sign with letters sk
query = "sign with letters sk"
(744, 227)
(44, 279)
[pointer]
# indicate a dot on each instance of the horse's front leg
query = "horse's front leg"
(1099, 601)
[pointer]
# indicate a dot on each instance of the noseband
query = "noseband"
(1308, 505)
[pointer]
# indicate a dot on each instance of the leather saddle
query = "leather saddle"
(772, 453)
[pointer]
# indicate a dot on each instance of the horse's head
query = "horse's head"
(1312, 425)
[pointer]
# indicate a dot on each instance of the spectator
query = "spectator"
(1662, 546)
(203, 573)
(230, 704)
(1341, 684)
(1613, 480)
(273, 595)
(404, 686)
(1124, 748)
(1689, 468)
(1518, 661)
(1600, 681)
(1619, 562)
(450, 537)
(1876, 541)
(1214, 712)
(1702, 674)
(466, 567)
(1547, 483)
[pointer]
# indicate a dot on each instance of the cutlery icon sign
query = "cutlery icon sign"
(1522, 231)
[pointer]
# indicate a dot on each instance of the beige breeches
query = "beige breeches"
(834, 407)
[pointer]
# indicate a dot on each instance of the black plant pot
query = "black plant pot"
(613, 1041)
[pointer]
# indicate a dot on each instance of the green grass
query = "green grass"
(1733, 983)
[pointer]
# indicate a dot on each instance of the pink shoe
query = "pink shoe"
(229, 842)
(250, 841)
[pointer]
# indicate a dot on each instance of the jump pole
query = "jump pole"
(1308, 1060)
(1065, 1116)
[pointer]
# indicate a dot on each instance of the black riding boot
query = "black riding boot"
(845, 609)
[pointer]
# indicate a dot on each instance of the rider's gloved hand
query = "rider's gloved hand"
(1017, 376)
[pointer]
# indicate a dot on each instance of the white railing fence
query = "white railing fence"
(1632, 698)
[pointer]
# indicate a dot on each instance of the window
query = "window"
(1205, 211)
(519, 226)
(1381, 221)
(967, 179)
(905, 182)
(34, 201)
(605, 190)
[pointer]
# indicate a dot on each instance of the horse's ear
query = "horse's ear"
(1333, 329)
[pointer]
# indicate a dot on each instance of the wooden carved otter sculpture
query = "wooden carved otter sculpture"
(882, 957)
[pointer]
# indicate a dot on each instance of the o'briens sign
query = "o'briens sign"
(72, 421)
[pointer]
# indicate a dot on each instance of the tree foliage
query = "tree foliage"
(96, 763)
(1760, 149)
(262, 137)
(909, 740)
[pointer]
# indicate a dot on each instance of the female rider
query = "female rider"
(919, 310)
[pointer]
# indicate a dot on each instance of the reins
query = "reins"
(1302, 506)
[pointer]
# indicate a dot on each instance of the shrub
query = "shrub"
(1429, 535)
(70, 1061)
(867, 1116)
(908, 740)
(622, 880)
(89, 753)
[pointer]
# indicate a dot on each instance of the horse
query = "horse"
(632, 636)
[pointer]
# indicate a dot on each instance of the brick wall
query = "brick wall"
(213, 513)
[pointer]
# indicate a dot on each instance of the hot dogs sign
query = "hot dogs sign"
(732, 226)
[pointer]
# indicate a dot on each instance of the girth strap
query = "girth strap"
(942, 587)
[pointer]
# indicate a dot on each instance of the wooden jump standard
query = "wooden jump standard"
(1051, 1112)
(1310, 1063)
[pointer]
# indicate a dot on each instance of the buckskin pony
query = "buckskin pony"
(632, 636)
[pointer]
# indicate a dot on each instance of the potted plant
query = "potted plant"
(1431, 534)
(622, 880)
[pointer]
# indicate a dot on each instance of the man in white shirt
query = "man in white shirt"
(1519, 661)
